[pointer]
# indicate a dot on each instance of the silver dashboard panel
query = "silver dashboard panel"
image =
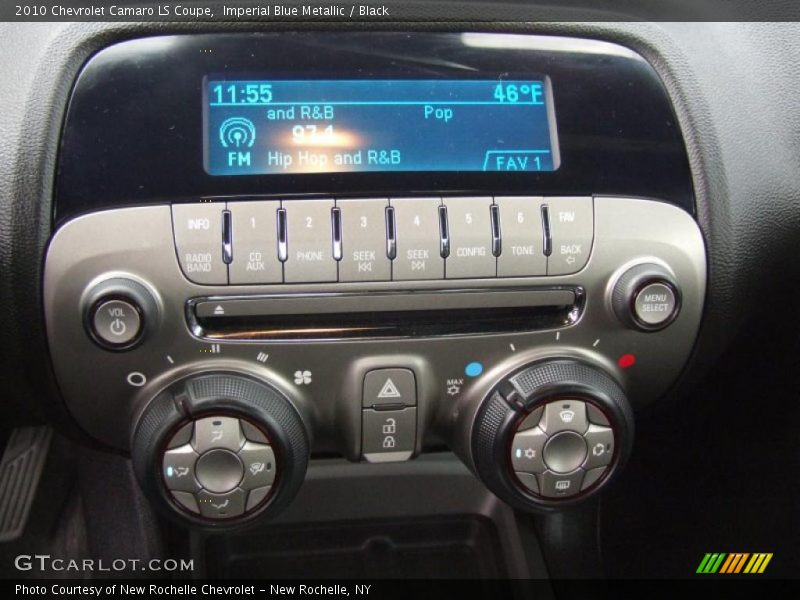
(105, 391)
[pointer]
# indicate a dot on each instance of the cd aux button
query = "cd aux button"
(364, 241)
(198, 241)
(470, 228)
(255, 243)
(309, 241)
(418, 234)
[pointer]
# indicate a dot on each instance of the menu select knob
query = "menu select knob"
(646, 297)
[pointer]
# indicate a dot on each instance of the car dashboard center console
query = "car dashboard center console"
(270, 246)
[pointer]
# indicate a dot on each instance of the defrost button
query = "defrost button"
(564, 415)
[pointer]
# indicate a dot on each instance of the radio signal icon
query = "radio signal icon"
(237, 132)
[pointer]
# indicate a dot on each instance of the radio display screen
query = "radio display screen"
(266, 127)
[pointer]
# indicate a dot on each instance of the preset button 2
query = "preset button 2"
(309, 242)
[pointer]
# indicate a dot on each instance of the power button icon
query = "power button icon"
(116, 323)
(118, 327)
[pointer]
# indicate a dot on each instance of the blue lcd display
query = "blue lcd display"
(324, 126)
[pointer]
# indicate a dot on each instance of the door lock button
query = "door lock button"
(389, 435)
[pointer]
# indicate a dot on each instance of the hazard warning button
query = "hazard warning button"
(389, 387)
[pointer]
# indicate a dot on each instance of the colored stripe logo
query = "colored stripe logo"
(734, 562)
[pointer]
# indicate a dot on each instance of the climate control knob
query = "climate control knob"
(551, 433)
(221, 449)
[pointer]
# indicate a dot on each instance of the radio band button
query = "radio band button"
(198, 240)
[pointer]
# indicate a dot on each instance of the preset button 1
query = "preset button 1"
(255, 243)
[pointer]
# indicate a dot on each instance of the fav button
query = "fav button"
(116, 323)
(572, 233)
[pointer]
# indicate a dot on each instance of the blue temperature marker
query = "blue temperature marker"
(473, 369)
(169, 471)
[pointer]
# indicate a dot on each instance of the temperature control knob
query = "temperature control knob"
(221, 449)
(551, 434)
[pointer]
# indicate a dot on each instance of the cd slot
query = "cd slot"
(382, 315)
